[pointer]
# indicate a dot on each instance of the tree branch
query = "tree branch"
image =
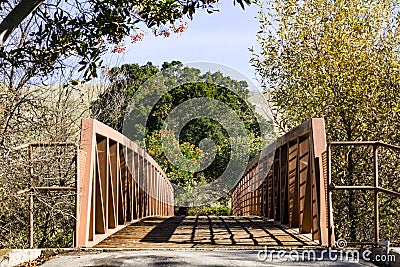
(16, 16)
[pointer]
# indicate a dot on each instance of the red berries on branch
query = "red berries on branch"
(180, 28)
(164, 31)
(175, 28)
(119, 48)
(137, 36)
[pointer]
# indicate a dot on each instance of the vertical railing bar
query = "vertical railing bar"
(31, 204)
(77, 185)
(156, 192)
(329, 192)
(107, 151)
(139, 181)
(376, 192)
(132, 169)
(149, 186)
(117, 189)
(296, 198)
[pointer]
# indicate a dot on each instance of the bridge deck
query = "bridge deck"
(205, 232)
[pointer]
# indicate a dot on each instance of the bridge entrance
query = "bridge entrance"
(126, 201)
(120, 184)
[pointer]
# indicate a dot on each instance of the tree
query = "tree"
(338, 60)
(31, 112)
(111, 105)
(186, 84)
(59, 29)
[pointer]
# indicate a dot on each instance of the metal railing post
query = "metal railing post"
(331, 237)
(31, 204)
(376, 192)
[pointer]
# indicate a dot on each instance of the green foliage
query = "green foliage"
(338, 60)
(179, 176)
(174, 85)
(209, 210)
(186, 84)
(111, 105)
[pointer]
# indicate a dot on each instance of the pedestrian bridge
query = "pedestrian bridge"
(119, 183)
(283, 199)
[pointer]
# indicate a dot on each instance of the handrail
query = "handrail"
(376, 188)
(363, 143)
(44, 144)
(30, 146)
(287, 182)
(119, 184)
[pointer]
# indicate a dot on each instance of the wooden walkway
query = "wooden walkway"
(229, 232)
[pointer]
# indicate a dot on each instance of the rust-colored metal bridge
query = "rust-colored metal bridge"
(125, 200)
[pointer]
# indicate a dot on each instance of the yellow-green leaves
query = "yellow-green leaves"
(321, 59)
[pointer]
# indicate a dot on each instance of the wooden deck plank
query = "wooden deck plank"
(205, 232)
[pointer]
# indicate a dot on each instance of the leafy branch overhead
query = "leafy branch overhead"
(61, 29)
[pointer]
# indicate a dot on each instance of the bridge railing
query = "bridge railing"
(118, 183)
(376, 186)
(44, 182)
(287, 183)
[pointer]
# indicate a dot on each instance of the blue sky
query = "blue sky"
(222, 37)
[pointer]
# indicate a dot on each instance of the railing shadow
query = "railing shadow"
(221, 231)
(163, 231)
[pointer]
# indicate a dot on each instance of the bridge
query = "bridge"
(283, 199)
(119, 184)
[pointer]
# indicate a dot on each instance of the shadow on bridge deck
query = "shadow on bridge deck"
(205, 232)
